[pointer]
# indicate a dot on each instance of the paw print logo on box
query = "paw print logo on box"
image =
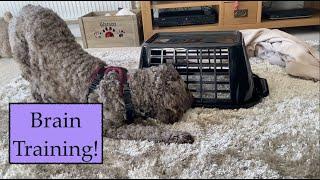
(121, 33)
(109, 32)
(98, 35)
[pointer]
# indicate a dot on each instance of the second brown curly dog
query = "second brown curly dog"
(5, 50)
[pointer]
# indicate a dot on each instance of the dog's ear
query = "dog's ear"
(7, 16)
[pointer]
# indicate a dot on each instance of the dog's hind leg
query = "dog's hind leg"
(150, 133)
(24, 56)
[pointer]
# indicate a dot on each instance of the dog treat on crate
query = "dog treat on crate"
(214, 66)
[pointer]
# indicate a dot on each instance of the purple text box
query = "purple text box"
(55, 133)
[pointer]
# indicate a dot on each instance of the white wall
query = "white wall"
(68, 10)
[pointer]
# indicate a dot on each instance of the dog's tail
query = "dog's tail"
(150, 133)
(7, 16)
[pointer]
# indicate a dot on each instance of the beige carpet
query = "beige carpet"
(8, 71)
(278, 138)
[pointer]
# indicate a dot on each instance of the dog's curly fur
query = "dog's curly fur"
(58, 70)
(5, 50)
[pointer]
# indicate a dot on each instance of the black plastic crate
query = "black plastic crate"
(214, 66)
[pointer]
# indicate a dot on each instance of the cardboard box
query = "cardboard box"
(100, 31)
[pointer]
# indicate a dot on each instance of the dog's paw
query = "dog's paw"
(180, 138)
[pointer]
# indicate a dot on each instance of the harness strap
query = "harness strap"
(95, 79)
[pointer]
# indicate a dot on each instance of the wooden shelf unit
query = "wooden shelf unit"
(226, 20)
(180, 4)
